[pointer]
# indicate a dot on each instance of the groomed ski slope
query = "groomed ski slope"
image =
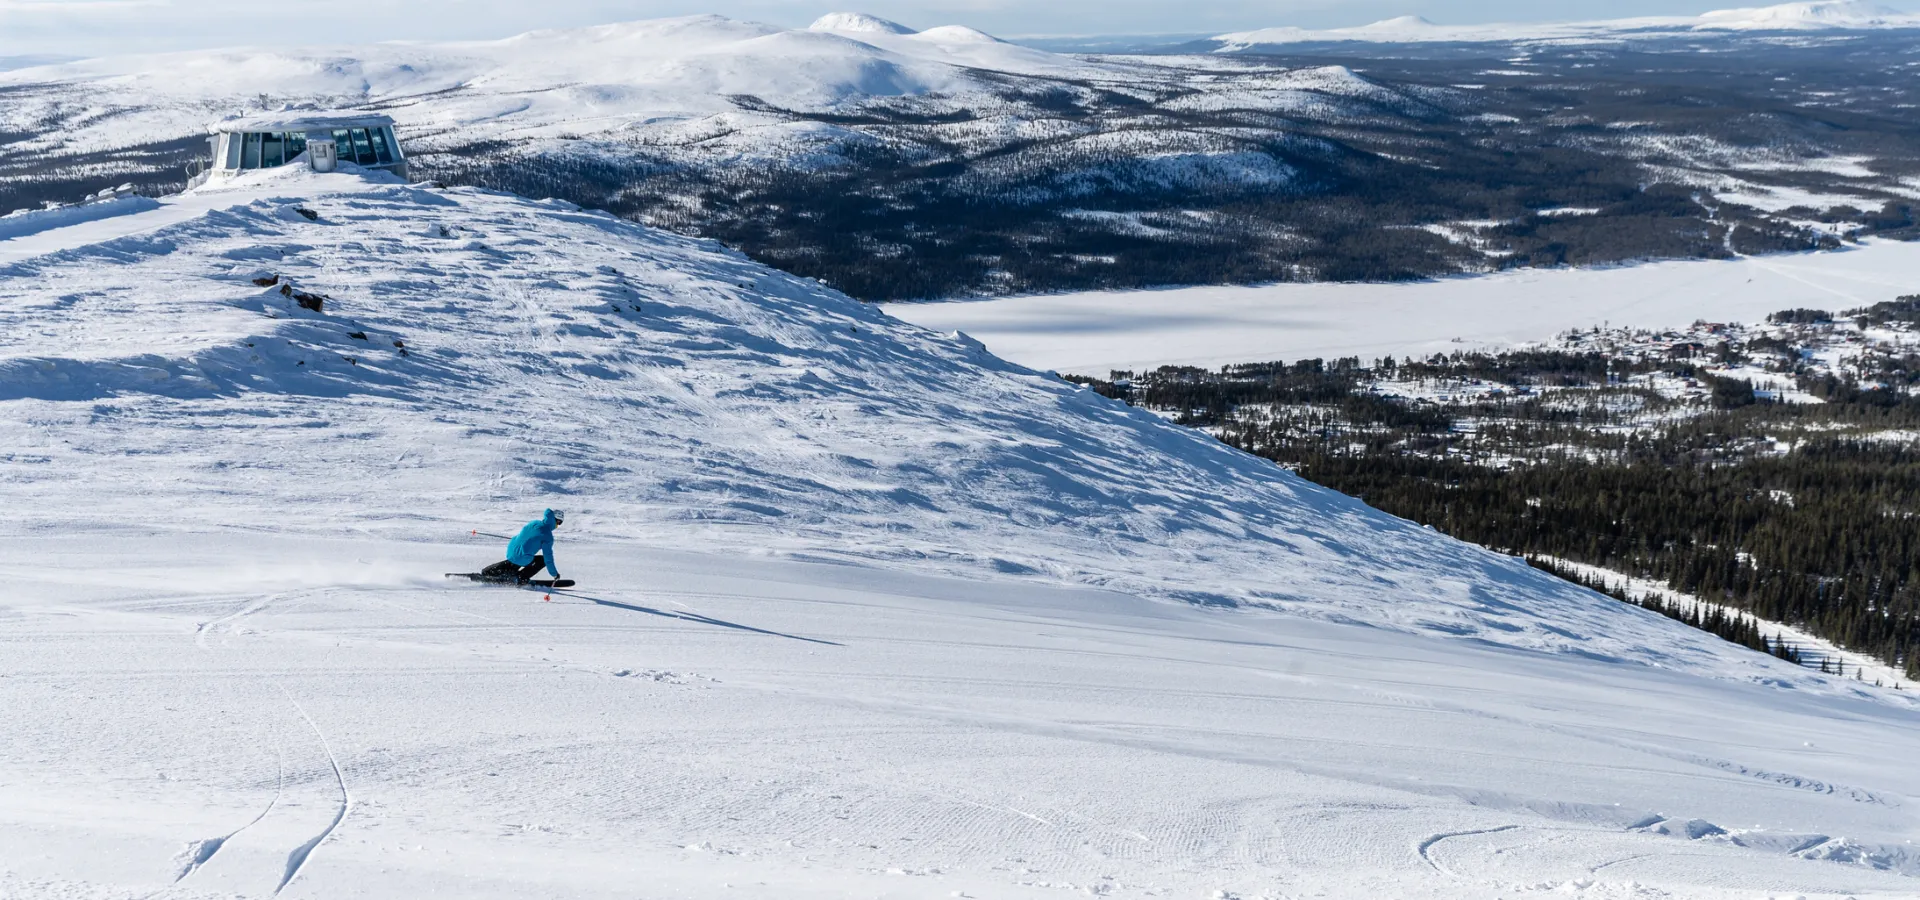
(864, 611)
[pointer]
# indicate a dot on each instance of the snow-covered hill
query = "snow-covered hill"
(1814, 15)
(704, 97)
(858, 23)
(1817, 14)
(864, 609)
(700, 93)
(982, 166)
(599, 81)
(552, 352)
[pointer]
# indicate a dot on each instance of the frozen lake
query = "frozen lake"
(1095, 332)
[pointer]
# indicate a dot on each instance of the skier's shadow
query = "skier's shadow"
(696, 617)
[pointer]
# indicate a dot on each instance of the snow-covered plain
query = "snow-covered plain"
(865, 611)
(1096, 332)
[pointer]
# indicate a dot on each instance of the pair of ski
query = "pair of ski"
(513, 582)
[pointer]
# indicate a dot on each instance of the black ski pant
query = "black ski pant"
(507, 569)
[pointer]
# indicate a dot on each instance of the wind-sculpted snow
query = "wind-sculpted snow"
(525, 353)
(864, 610)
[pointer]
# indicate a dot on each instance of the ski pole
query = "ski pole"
(489, 534)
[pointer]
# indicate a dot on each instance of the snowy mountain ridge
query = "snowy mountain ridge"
(857, 22)
(600, 79)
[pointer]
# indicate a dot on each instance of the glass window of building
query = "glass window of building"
(232, 150)
(273, 147)
(250, 158)
(382, 151)
(363, 148)
(296, 144)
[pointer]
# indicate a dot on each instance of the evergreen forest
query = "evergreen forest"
(1805, 513)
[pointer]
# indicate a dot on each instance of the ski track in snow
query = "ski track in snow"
(1425, 848)
(864, 611)
(210, 627)
(298, 858)
(199, 853)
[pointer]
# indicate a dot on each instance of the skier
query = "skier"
(529, 551)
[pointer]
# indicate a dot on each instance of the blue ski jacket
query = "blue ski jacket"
(535, 537)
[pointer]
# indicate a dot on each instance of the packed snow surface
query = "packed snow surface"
(864, 610)
(1795, 17)
(1096, 332)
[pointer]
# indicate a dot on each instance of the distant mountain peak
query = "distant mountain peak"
(857, 22)
(1806, 15)
(959, 34)
(1811, 14)
(1404, 22)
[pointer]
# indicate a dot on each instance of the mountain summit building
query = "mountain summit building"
(323, 141)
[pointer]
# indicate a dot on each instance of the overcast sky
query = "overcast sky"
(100, 27)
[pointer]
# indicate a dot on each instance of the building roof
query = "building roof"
(299, 121)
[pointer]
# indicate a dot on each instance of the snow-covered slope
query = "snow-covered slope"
(1804, 16)
(864, 609)
(673, 388)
